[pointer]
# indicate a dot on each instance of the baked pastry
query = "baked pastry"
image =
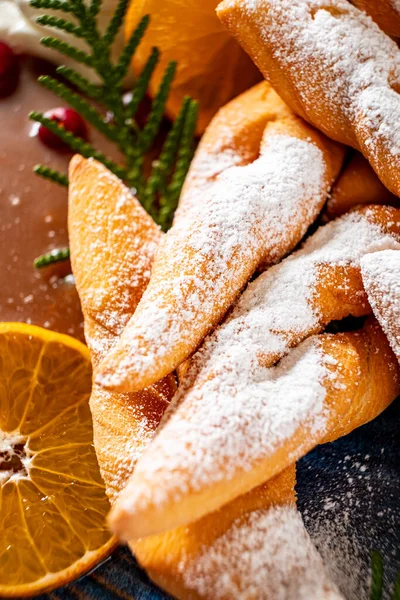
(381, 278)
(236, 420)
(326, 387)
(384, 12)
(113, 241)
(252, 214)
(357, 184)
(202, 560)
(333, 66)
(255, 547)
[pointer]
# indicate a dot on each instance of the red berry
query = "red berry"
(9, 70)
(67, 118)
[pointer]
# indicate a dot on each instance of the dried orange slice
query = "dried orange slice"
(53, 505)
(212, 67)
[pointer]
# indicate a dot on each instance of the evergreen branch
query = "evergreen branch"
(116, 22)
(162, 167)
(160, 191)
(51, 174)
(376, 576)
(91, 90)
(55, 256)
(53, 5)
(170, 199)
(94, 8)
(396, 590)
(78, 144)
(68, 26)
(67, 50)
(80, 105)
(158, 108)
(123, 63)
(142, 83)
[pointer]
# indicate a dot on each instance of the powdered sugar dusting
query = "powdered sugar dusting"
(231, 410)
(252, 214)
(264, 555)
(345, 71)
(279, 309)
(245, 419)
(381, 277)
(113, 242)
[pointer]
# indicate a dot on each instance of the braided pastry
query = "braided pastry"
(255, 547)
(381, 278)
(205, 560)
(113, 241)
(251, 214)
(384, 12)
(357, 184)
(234, 419)
(333, 66)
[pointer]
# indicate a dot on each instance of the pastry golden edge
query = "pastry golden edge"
(302, 71)
(356, 185)
(191, 289)
(362, 383)
(381, 279)
(163, 494)
(113, 241)
(384, 13)
(256, 547)
(125, 423)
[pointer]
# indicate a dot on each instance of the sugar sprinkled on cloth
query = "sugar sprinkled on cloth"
(381, 277)
(265, 554)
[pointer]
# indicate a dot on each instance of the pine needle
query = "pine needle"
(142, 83)
(81, 105)
(376, 576)
(130, 48)
(62, 24)
(55, 256)
(157, 110)
(396, 590)
(67, 50)
(51, 174)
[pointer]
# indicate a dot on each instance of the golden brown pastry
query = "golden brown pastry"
(113, 241)
(333, 66)
(234, 418)
(356, 185)
(323, 389)
(381, 278)
(236, 550)
(252, 214)
(256, 547)
(386, 13)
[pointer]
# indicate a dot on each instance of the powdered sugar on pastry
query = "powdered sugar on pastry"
(230, 409)
(112, 246)
(252, 213)
(232, 413)
(233, 139)
(381, 277)
(267, 555)
(333, 65)
(280, 308)
(263, 406)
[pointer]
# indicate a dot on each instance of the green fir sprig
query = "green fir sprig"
(377, 571)
(158, 190)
